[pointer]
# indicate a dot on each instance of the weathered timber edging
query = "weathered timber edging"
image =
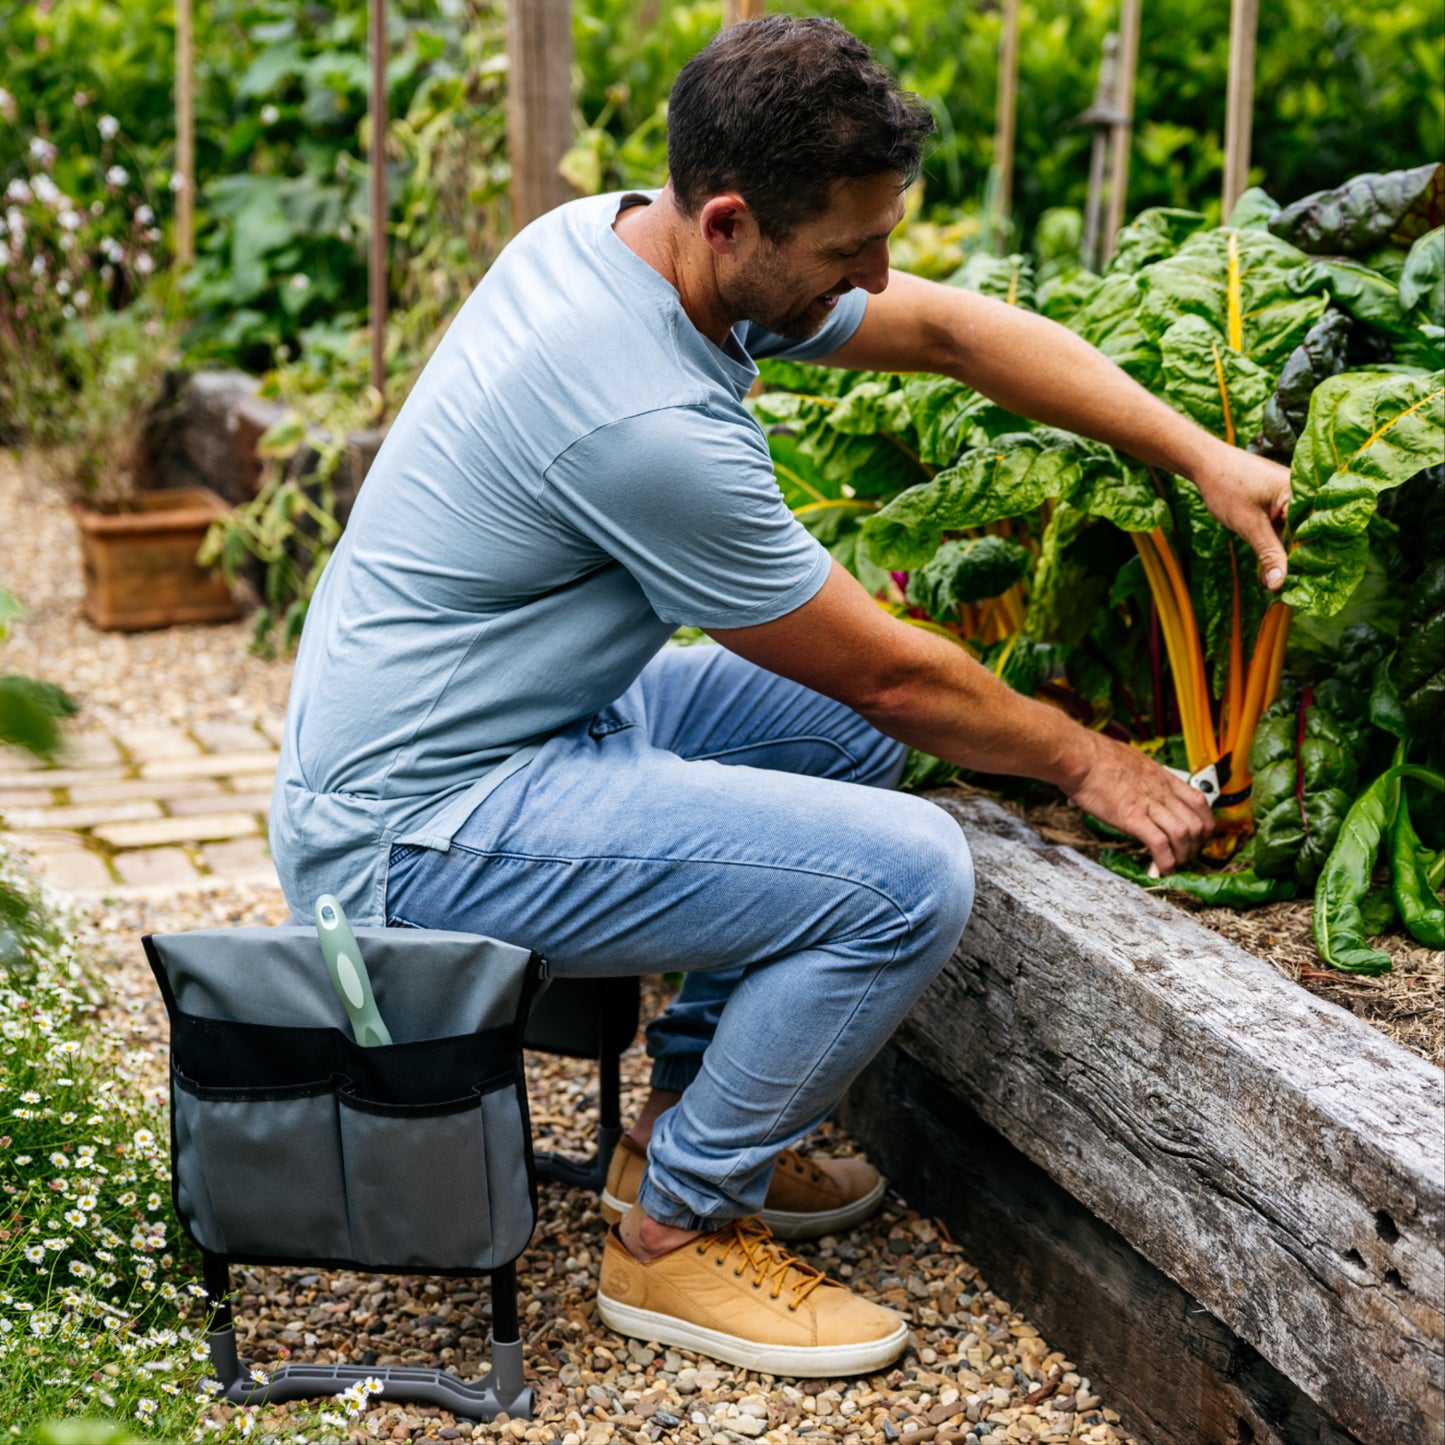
(1277, 1157)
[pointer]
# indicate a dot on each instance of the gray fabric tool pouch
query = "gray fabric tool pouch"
(290, 1143)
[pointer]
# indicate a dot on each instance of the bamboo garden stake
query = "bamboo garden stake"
(377, 250)
(1239, 105)
(1008, 86)
(185, 182)
(1124, 130)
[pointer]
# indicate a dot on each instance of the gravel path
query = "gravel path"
(975, 1368)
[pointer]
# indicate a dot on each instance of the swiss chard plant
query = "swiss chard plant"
(1311, 333)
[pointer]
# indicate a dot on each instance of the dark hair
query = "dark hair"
(778, 109)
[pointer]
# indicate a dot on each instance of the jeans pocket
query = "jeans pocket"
(610, 719)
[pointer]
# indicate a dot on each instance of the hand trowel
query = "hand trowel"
(348, 972)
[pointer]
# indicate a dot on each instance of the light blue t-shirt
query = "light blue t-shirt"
(573, 477)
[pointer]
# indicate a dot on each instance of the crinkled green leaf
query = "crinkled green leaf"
(1422, 282)
(949, 416)
(1195, 281)
(1252, 210)
(1367, 210)
(1358, 291)
(871, 465)
(1005, 278)
(967, 571)
(1151, 235)
(1009, 477)
(1418, 669)
(1367, 433)
(1110, 321)
(1222, 890)
(871, 407)
(1322, 353)
(1217, 387)
(851, 551)
(1065, 593)
(1063, 295)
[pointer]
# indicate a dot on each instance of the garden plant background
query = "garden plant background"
(1309, 331)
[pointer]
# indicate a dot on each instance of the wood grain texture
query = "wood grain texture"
(1175, 1373)
(1278, 1158)
(539, 104)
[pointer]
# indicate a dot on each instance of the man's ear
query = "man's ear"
(725, 223)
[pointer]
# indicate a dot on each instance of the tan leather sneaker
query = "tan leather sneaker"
(740, 1297)
(807, 1198)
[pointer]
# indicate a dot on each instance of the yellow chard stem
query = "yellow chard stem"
(1181, 642)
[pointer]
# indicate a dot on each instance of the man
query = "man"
(487, 733)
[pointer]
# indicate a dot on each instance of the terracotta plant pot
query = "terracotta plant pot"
(140, 567)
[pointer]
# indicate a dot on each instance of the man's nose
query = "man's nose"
(870, 272)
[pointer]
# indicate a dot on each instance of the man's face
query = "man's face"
(792, 287)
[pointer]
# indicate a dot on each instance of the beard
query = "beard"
(766, 296)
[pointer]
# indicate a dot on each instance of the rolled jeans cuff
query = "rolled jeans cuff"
(675, 1072)
(667, 1210)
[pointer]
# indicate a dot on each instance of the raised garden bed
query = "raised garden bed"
(1227, 1195)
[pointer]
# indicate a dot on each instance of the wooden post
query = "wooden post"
(1239, 106)
(1103, 116)
(1124, 130)
(185, 138)
(735, 10)
(1008, 89)
(539, 104)
(377, 248)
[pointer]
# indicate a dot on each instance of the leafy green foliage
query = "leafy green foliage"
(967, 571)
(1367, 211)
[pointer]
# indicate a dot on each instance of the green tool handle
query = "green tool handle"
(348, 972)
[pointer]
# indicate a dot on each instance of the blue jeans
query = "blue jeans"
(712, 821)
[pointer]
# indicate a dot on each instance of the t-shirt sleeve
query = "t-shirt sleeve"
(847, 317)
(687, 502)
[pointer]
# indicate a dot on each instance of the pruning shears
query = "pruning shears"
(348, 973)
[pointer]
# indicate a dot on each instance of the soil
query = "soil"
(1407, 1004)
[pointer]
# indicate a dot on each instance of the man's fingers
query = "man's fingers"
(1262, 537)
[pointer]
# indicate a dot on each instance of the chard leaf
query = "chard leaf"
(1152, 235)
(1110, 321)
(1012, 475)
(1365, 212)
(1064, 595)
(851, 551)
(1358, 291)
(967, 571)
(1422, 282)
(871, 407)
(1220, 389)
(1367, 432)
(949, 416)
(1062, 296)
(1005, 278)
(1252, 210)
(1322, 353)
(1243, 283)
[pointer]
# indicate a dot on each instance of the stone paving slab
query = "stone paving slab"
(149, 867)
(145, 745)
(200, 829)
(123, 790)
(25, 798)
(86, 815)
(147, 812)
(61, 777)
(212, 765)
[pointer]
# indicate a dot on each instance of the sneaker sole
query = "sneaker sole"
(797, 1361)
(786, 1225)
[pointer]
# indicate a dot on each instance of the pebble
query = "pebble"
(189, 675)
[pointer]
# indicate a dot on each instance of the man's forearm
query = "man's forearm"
(946, 703)
(1041, 370)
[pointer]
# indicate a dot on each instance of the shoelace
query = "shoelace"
(760, 1252)
(800, 1165)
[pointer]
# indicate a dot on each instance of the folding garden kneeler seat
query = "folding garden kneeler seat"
(291, 1144)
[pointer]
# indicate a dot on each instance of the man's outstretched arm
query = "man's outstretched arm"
(930, 693)
(1041, 370)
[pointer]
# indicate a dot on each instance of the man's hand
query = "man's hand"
(1250, 496)
(1135, 794)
